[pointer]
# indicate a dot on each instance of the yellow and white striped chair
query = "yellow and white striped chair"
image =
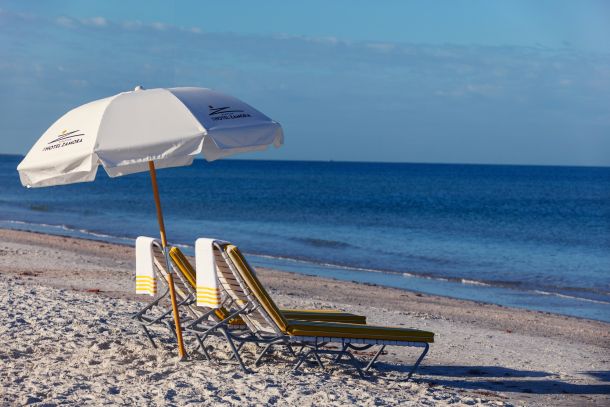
(269, 326)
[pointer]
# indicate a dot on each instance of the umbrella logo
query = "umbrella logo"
(66, 138)
(225, 113)
(66, 135)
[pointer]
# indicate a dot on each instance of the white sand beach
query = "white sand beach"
(67, 337)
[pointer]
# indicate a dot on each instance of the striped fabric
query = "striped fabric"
(208, 297)
(146, 283)
(208, 291)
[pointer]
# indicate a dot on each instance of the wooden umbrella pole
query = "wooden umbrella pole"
(170, 277)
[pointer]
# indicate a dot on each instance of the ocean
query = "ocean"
(535, 237)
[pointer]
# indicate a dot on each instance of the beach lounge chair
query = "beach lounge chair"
(159, 311)
(270, 327)
(201, 320)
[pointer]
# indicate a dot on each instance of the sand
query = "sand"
(67, 337)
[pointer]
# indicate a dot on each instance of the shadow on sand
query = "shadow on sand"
(498, 378)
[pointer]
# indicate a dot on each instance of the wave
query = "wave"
(571, 297)
(507, 285)
(474, 282)
(319, 263)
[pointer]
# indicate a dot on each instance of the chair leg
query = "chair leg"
(354, 363)
(171, 328)
(234, 350)
(265, 350)
(301, 360)
(372, 362)
(421, 357)
(268, 348)
(314, 351)
(238, 347)
(317, 357)
(340, 354)
(290, 350)
(149, 336)
(241, 345)
(203, 349)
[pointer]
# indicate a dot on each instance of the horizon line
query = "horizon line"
(384, 162)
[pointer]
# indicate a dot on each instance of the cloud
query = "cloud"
(325, 40)
(365, 89)
(160, 26)
(381, 46)
(69, 22)
(132, 25)
(194, 30)
(65, 22)
(95, 21)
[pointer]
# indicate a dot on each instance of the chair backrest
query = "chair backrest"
(184, 291)
(183, 265)
(188, 274)
(239, 280)
(160, 265)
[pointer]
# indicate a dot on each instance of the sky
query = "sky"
(517, 82)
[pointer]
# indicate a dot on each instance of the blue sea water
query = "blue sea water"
(525, 236)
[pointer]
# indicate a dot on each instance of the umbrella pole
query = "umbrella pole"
(170, 277)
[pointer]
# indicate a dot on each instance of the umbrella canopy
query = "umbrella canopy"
(143, 130)
(126, 131)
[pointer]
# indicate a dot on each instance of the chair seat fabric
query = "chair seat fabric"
(357, 331)
(323, 315)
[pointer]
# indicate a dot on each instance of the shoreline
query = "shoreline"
(458, 281)
(482, 351)
(276, 280)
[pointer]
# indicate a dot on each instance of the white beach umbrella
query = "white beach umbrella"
(126, 131)
(142, 130)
